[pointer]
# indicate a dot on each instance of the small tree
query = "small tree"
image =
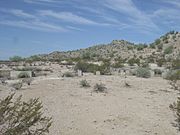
(22, 118)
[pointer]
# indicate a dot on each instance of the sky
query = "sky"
(29, 27)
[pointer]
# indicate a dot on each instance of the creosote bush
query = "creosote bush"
(22, 118)
(17, 85)
(84, 83)
(100, 87)
(143, 72)
(68, 74)
(175, 107)
(173, 75)
(23, 75)
(28, 81)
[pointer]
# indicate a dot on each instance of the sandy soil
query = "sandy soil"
(142, 109)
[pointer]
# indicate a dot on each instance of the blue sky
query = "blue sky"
(30, 27)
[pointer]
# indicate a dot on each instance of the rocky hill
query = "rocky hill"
(166, 47)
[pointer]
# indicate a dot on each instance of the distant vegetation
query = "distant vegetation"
(16, 59)
(143, 72)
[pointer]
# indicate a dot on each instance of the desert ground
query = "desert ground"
(142, 109)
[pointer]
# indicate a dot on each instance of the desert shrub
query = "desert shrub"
(17, 85)
(23, 75)
(127, 85)
(157, 72)
(16, 58)
(133, 61)
(34, 58)
(22, 118)
(68, 74)
(118, 65)
(86, 56)
(152, 45)
(173, 75)
(130, 47)
(28, 81)
(176, 64)
(145, 64)
(143, 72)
(141, 46)
(168, 50)
(160, 62)
(175, 107)
(84, 83)
(157, 42)
(89, 67)
(160, 46)
(100, 87)
(3, 81)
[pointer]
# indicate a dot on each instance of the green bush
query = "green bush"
(175, 107)
(22, 118)
(160, 62)
(168, 50)
(160, 46)
(84, 83)
(118, 65)
(176, 64)
(23, 75)
(100, 87)
(89, 67)
(152, 45)
(133, 61)
(173, 75)
(157, 42)
(143, 72)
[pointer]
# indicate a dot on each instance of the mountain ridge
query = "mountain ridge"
(165, 47)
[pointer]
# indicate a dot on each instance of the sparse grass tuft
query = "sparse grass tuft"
(100, 87)
(84, 83)
(17, 86)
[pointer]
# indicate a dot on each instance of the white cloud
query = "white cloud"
(67, 16)
(19, 13)
(172, 2)
(35, 1)
(35, 25)
(74, 28)
(129, 9)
